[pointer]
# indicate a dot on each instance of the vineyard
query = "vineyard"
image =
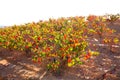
(72, 48)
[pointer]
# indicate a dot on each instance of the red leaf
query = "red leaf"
(26, 47)
(36, 47)
(69, 60)
(38, 38)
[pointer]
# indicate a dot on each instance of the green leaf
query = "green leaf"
(30, 44)
(43, 54)
(71, 48)
(49, 66)
(56, 40)
(77, 59)
(80, 62)
(35, 37)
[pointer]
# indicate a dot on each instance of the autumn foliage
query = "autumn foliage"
(61, 42)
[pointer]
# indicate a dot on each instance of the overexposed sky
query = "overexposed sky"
(24, 11)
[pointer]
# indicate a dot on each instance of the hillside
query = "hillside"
(81, 49)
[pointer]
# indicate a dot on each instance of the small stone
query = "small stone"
(78, 75)
(18, 67)
(100, 69)
(105, 71)
(86, 77)
(118, 57)
(4, 62)
(95, 39)
(13, 66)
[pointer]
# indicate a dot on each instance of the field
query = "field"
(64, 49)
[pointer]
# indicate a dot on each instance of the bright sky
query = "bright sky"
(23, 11)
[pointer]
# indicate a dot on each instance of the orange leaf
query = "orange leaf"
(65, 36)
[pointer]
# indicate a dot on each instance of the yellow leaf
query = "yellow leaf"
(70, 64)
(94, 53)
(15, 47)
(116, 40)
